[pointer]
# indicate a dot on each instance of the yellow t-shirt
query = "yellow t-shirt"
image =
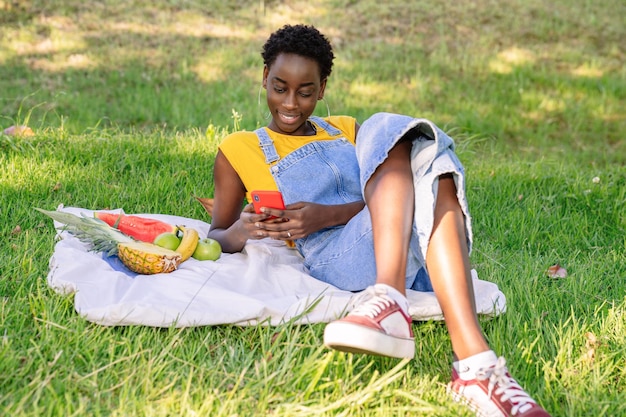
(245, 155)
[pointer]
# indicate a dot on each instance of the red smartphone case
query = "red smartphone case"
(271, 199)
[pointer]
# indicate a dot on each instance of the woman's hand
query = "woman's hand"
(253, 225)
(298, 220)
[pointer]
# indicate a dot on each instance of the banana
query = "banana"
(188, 242)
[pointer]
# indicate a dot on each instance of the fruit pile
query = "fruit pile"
(145, 246)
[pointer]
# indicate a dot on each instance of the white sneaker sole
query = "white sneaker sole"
(461, 399)
(353, 338)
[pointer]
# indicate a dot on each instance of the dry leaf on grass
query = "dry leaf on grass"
(591, 342)
(556, 271)
(23, 131)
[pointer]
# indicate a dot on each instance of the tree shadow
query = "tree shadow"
(519, 76)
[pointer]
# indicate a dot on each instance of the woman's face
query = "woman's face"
(293, 87)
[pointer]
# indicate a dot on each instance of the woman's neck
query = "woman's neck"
(306, 129)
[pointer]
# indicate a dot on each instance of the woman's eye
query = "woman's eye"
(279, 90)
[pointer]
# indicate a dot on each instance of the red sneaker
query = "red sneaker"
(376, 326)
(494, 393)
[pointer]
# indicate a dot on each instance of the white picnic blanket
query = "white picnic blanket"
(266, 283)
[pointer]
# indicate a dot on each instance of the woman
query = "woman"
(369, 214)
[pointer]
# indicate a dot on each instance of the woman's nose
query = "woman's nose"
(290, 101)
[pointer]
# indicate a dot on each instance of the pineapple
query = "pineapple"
(141, 257)
(146, 258)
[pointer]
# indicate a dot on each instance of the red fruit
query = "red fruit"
(141, 228)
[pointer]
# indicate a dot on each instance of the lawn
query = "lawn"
(128, 101)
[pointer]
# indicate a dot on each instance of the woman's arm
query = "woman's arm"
(227, 226)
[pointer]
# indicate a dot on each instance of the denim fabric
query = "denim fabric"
(335, 172)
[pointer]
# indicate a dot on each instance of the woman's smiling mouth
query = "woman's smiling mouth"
(288, 118)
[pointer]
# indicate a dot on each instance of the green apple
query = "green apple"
(207, 250)
(167, 240)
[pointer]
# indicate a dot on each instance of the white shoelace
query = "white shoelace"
(506, 387)
(371, 302)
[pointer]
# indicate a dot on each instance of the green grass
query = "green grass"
(129, 101)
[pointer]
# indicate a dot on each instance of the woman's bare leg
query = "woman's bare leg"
(389, 197)
(448, 266)
(380, 324)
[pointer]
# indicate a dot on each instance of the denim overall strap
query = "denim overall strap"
(267, 146)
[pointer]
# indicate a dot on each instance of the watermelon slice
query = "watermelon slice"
(140, 228)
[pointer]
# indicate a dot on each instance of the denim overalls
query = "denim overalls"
(335, 172)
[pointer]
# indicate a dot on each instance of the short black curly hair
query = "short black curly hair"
(302, 40)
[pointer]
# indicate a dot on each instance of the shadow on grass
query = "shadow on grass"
(132, 65)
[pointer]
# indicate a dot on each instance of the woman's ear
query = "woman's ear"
(266, 72)
(320, 96)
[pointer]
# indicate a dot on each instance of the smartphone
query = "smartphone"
(270, 199)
